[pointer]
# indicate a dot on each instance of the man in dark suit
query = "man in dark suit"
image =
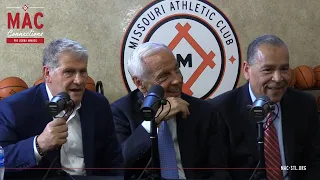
(31, 136)
(295, 139)
(191, 124)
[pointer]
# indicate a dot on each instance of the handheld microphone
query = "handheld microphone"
(260, 108)
(60, 102)
(152, 102)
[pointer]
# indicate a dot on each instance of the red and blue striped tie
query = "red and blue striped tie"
(272, 150)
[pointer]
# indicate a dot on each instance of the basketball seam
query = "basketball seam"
(313, 79)
(298, 86)
(303, 76)
(13, 86)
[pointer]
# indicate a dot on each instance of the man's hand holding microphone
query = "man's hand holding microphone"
(56, 132)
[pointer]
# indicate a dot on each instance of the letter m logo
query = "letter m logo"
(184, 62)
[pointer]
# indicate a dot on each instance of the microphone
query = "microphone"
(62, 101)
(260, 108)
(258, 111)
(152, 102)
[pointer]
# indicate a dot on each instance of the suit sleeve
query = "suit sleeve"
(218, 148)
(135, 141)
(313, 147)
(18, 154)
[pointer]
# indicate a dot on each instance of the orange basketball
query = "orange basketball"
(292, 81)
(40, 80)
(91, 85)
(316, 72)
(11, 85)
(304, 77)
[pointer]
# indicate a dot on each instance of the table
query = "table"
(83, 178)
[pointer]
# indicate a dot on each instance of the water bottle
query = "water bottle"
(1, 163)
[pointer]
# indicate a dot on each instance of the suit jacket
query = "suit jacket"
(198, 136)
(24, 115)
(300, 129)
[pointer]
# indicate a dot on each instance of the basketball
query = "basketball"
(40, 80)
(91, 84)
(304, 77)
(316, 72)
(11, 85)
(292, 81)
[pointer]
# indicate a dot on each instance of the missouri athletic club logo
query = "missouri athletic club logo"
(200, 36)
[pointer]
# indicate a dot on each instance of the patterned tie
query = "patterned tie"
(272, 150)
(167, 154)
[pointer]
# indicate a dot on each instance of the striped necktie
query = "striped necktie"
(272, 150)
(167, 154)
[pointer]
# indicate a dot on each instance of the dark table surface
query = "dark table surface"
(83, 178)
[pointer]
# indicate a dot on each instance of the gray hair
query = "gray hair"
(54, 49)
(136, 64)
(264, 39)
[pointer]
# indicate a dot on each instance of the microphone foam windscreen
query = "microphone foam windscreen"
(264, 97)
(158, 90)
(64, 95)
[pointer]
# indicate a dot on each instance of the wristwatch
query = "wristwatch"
(38, 148)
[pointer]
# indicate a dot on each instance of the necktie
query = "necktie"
(167, 154)
(272, 150)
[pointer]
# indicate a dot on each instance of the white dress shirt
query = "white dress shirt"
(278, 125)
(172, 123)
(71, 153)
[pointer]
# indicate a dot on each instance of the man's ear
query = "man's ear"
(46, 74)
(139, 84)
(246, 70)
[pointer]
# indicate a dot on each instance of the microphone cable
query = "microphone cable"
(275, 117)
(144, 170)
(254, 172)
(52, 163)
(50, 167)
(163, 102)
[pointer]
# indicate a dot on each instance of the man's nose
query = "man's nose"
(78, 79)
(277, 77)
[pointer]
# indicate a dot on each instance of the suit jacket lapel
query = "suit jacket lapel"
(288, 127)
(186, 149)
(87, 127)
(42, 104)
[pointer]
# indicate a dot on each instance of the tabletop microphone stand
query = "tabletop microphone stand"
(151, 103)
(261, 173)
(258, 112)
(154, 144)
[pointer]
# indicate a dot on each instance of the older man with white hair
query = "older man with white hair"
(189, 142)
